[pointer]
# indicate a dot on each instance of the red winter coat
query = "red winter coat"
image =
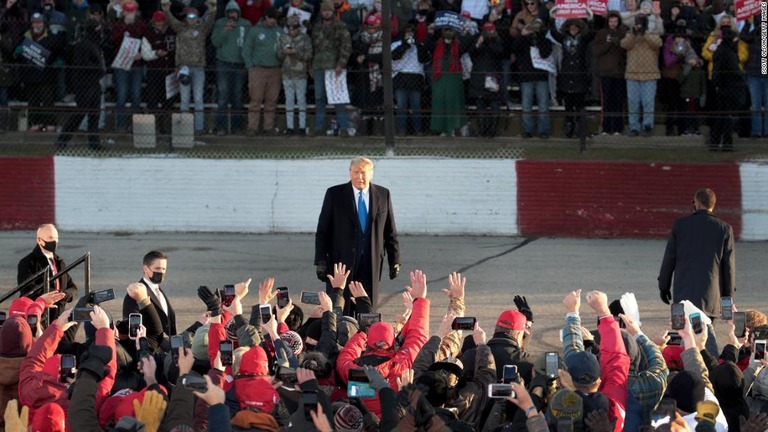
(614, 367)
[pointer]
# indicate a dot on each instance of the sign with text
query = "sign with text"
(746, 9)
(598, 7)
(571, 9)
(171, 85)
(34, 53)
(448, 20)
(127, 54)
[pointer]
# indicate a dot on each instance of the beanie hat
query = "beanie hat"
(15, 337)
(347, 418)
(49, 418)
(293, 340)
(158, 16)
(373, 20)
(20, 305)
(437, 385)
(568, 404)
(200, 343)
(673, 355)
(254, 362)
(327, 5)
(381, 335)
(687, 390)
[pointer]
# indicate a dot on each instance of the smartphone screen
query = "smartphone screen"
(726, 308)
(32, 320)
(552, 363)
(309, 400)
(102, 296)
(82, 314)
(144, 344)
(759, 353)
(282, 297)
(176, 343)
(194, 383)
(669, 406)
(497, 391)
(674, 339)
(310, 298)
(678, 316)
(696, 323)
(229, 295)
(265, 311)
(358, 386)
(338, 311)
(67, 367)
(134, 325)
(287, 375)
(510, 374)
(740, 322)
(225, 348)
(368, 319)
(463, 323)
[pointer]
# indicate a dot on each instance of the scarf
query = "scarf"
(374, 42)
(437, 61)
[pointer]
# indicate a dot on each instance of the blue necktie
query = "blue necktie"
(362, 212)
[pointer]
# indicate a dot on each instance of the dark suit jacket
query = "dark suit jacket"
(168, 321)
(700, 253)
(33, 263)
(338, 226)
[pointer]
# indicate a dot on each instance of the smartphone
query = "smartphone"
(176, 343)
(82, 314)
(194, 383)
(265, 311)
(726, 308)
(758, 355)
(228, 295)
(669, 406)
(225, 348)
(365, 320)
(144, 344)
(696, 323)
(102, 296)
(358, 386)
(338, 311)
(552, 361)
(310, 298)
(678, 316)
(674, 339)
(463, 323)
(287, 375)
(32, 320)
(564, 424)
(283, 297)
(740, 322)
(134, 325)
(309, 399)
(510, 374)
(67, 367)
(499, 391)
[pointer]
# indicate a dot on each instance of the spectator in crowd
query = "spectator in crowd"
(485, 83)
(448, 5)
(158, 50)
(253, 10)
(127, 82)
(757, 81)
(573, 78)
(96, 14)
(331, 49)
(655, 23)
(534, 82)
(611, 67)
(7, 75)
(15, 342)
(730, 90)
(700, 254)
(39, 80)
(448, 102)
(531, 12)
(148, 294)
(260, 54)
(365, 72)
(409, 57)
(344, 13)
(642, 48)
(501, 17)
(424, 17)
(297, 4)
(88, 57)
(229, 35)
(191, 35)
(674, 53)
(715, 39)
(295, 53)
(693, 88)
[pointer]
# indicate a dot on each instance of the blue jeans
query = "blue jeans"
(539, 90)
(640, 93)
(758, 91)
(127, 83)
(321, 101)
(102, 117)
(408, 99)
(230, 82)
(506, 67)
(295, 94)
(195, 88)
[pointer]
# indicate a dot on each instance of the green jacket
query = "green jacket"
(331, 45)
(229, 43)
(260, 47)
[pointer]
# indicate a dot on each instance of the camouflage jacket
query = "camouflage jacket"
(295, 66)
(191, 39)
(331, 45)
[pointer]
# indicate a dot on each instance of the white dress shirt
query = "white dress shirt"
(156, 289)
(366, 198)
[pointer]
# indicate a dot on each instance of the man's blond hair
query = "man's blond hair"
(362, 162)
(44, 227)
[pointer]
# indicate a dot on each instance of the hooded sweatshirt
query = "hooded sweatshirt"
(260, 49)
(15, 342)
(229, 43)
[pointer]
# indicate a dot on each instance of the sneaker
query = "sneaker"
(634, 133)
(647, 131)
(301, 132)
(288, 132)
(616, 133)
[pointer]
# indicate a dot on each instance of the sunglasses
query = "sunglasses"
(192, 16)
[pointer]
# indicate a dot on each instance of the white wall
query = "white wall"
(754, 201)
(430, 196)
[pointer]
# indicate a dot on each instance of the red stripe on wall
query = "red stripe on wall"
(27, 192)
(618, 199)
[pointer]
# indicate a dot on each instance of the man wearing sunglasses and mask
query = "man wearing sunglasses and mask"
(147, 294)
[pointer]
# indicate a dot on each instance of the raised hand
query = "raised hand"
(340, 275)
(456, 285)
(572, 301)
(418, 288)
(266, 291)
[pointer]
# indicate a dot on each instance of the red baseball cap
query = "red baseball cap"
(158, 16)
(373, 20)
(489, 26)
(512, 320)
(19, 307)
(673, 355)
(256, 393)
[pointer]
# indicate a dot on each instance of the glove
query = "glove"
(211, 300)
(666, 296)
(95, 361)
(394, 271)
(322, 272)
(150, 411)
(522, 306)
(15, 422)
(375, 380)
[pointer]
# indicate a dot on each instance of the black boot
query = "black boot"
(569, 129)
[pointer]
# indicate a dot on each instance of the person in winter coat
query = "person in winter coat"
(642, 72)
(376, 347)
(229, 34)
(756, 80)
(408, 59)
(574, 77)
(191, 35)
(15, 343)
(127, 82)
(534, 82)
(448, 103)
(730, 90)
(485, 83)
(673, 53)
(365, 72)
(693, 85)
(260, 54)
(294, 50)
(655, 23)
(158, 49)
(611, 66)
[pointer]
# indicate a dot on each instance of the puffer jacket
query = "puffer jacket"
(295, 66)
(611, 57)
(711, 45)
(574, 76)
(642, 56)
(190, 39)
(15, 342)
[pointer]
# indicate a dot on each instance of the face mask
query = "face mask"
(725, 28)
(157, 277)
(448, 40)
(47, 7)
(422, 12)
(50, 246)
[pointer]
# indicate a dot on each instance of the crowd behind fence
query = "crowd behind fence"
(248, 67)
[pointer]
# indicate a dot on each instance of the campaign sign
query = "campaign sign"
(35, 53)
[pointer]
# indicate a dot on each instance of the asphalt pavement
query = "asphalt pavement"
(496, 268)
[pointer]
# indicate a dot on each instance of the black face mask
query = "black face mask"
(157, 277)
(50, 246)
(423, 12)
